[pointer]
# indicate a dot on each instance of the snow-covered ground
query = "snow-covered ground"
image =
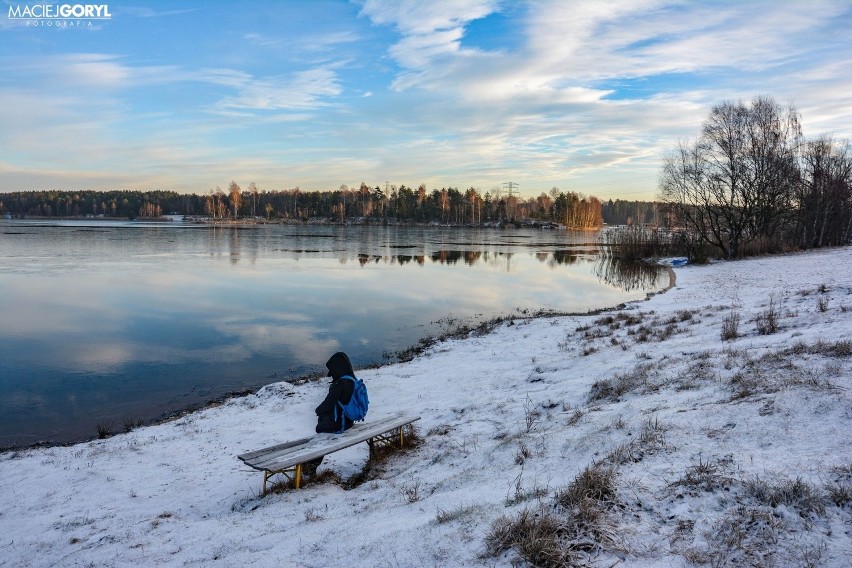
(720, 452)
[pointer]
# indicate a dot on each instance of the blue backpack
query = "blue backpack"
(356, 409)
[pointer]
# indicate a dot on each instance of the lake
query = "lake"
(107, 322)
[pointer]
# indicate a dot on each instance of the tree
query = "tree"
(235, 197)
(253, 190)
(733, 184)
(825, 194)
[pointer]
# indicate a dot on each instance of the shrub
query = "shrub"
(104, 430)
(730, 327)
(767, 321)
(637, 243)
(133, 423)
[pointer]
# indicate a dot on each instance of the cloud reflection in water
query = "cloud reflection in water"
(106, 322)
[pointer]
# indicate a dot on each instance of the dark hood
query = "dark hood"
(339, 365)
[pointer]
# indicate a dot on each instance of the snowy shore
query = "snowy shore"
(721, 452)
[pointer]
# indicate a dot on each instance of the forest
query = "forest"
(365, 204)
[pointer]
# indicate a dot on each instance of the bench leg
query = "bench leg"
(266, 476)
(387, 439)
(295, 471)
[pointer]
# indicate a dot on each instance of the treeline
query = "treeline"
(751, 183)
(123, 204)
(400, 204)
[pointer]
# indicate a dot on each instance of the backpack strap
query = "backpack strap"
(339, 406)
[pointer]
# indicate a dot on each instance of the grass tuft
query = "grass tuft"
(131, 424)
(731, 326)
(562, 536)
(747, 536)
(766, 322)
(460, 512)
(797, 494)
(619, 385)
(104, 430)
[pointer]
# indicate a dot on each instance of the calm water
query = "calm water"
(103, 322)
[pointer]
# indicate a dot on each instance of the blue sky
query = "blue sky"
(583, 96)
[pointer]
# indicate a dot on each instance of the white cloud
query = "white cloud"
(584, 89)
(302, 90)
(413, 17)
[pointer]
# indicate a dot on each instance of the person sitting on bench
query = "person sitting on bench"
(328, 413)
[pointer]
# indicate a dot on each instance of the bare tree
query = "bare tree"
(736, 183)
(825, 194)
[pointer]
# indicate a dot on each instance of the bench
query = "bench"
(287, 458)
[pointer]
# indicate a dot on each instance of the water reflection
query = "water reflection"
(113, 321)
(629, 276)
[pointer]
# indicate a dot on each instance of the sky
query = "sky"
(583, 96)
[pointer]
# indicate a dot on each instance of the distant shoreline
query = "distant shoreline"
(356, 221)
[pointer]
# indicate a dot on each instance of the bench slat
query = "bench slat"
(272, 449)
(289, 454)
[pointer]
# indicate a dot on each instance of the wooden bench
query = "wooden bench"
(287, 458)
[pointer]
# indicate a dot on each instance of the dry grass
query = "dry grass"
(104, 430)
(731, 326)
(461, 512)
(564, 534)
(707, 476)
(286, 484)
(613, 389)
(637, 242)
(650, 440)
(796, 494)
(374, 467)
(766, 321)
(781, 369)
(839, 349)
(535, 534)
(840, 493)
(131, 424)
(746, 536)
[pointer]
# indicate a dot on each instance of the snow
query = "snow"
(700, 430)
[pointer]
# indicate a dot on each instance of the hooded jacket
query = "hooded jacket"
(338, 391)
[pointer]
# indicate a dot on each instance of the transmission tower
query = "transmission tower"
(511, 190)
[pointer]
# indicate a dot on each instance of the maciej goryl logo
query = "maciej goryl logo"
(59, 15)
